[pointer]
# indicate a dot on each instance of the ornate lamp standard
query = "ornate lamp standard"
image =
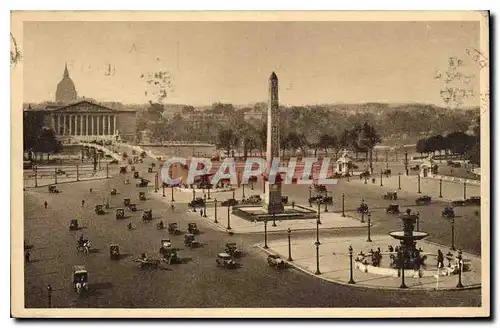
(343, 209)
(36, 176)
(228, 218)
(369, 225)
(209, 187)
(418, 180)
(452, 234)
(317, 258)
(265, 233)
(205, 205)
(459, 258)
(399, 180)
(243, 186)
(172, 189)
(317, 231)
(351, 278)
(215, 203)
(163, 188)
(381, 174)
(440, 187)
(49, 294)
(289, 232)
(465, 190)
(274, 214)
(319, 211)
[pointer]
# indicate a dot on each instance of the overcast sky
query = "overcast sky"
(316, 62)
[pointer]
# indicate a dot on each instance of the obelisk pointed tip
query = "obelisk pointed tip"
(273, 76)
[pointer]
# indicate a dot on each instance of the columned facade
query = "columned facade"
(92, 124)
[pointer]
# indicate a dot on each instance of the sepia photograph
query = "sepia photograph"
(250, 164)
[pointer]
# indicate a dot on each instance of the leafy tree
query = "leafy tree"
(227, 140)
(47, 142)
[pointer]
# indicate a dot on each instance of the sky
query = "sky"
(316, 62)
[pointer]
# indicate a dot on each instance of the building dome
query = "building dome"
(66, 90)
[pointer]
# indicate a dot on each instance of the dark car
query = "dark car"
(424, 200)
(393, 209)
(229, 202)
(448, 212)
(198, 202)
(458, 202)
(254, 199)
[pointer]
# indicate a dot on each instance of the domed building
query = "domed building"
(66, 91)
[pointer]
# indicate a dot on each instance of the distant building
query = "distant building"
(74, 120)
(66, 90)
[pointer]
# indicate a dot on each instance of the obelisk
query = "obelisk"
(272, 198)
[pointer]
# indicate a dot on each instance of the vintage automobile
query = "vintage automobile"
(99, 209)
(147, 262)
(276, 262)
(123, 169)
(192, 228)
(142, 195)
(150, 170)
(132, 207)
(233, 250)
(120, 213)
(392, 195)
(147, 215)
(114, 251)
(424, 200)
(458, 203)
(198, 202)
(253, 199)
(475, 200)
(136, 175)
(224, 260)
(160, 225)
(143, 154)
(284, 199)
(190, 241)
(114, 192)
(53, 189)
(80, 278)
(165, 243)
(387, 172)
(173, 229)
(365, 174)
(73, 224)
(448, 212)
(392, 209)
(83, 245)
(415, 168)
(169, 255)
(143, 183)
(229, 202)
(126, 201)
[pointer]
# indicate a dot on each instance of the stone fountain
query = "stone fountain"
(408, 242)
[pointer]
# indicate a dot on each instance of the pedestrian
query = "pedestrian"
(45, 204)
(90, 190)
(440, 259)
(83, 203)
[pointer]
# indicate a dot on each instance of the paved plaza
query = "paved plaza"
(334, 262)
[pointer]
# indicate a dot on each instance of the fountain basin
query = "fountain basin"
(400, 235)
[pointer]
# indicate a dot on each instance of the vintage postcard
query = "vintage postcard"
(250, 164)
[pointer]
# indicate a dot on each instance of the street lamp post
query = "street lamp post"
(453, 234)
(459, 258)
(317, 231)
(465, 191)
(319, 212)
(274, 215)
(78, 173)
(399, 180)
(228, 218)
(205, 205)
(36, 176)
(351, 278)
(243, 186)
(172, 188)
(107, 170)
(406, 162)
(369, 224)
(343, 209)
(381, 173)
(49, 295)
(317, 258)
(234, 196)
(289, 232)
(440, 187)
(265, 233)
(209, 187)
(402, 264)
(418, 180)
(215, 203)
(156, 182)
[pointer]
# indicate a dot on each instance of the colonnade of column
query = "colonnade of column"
(84, 124)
